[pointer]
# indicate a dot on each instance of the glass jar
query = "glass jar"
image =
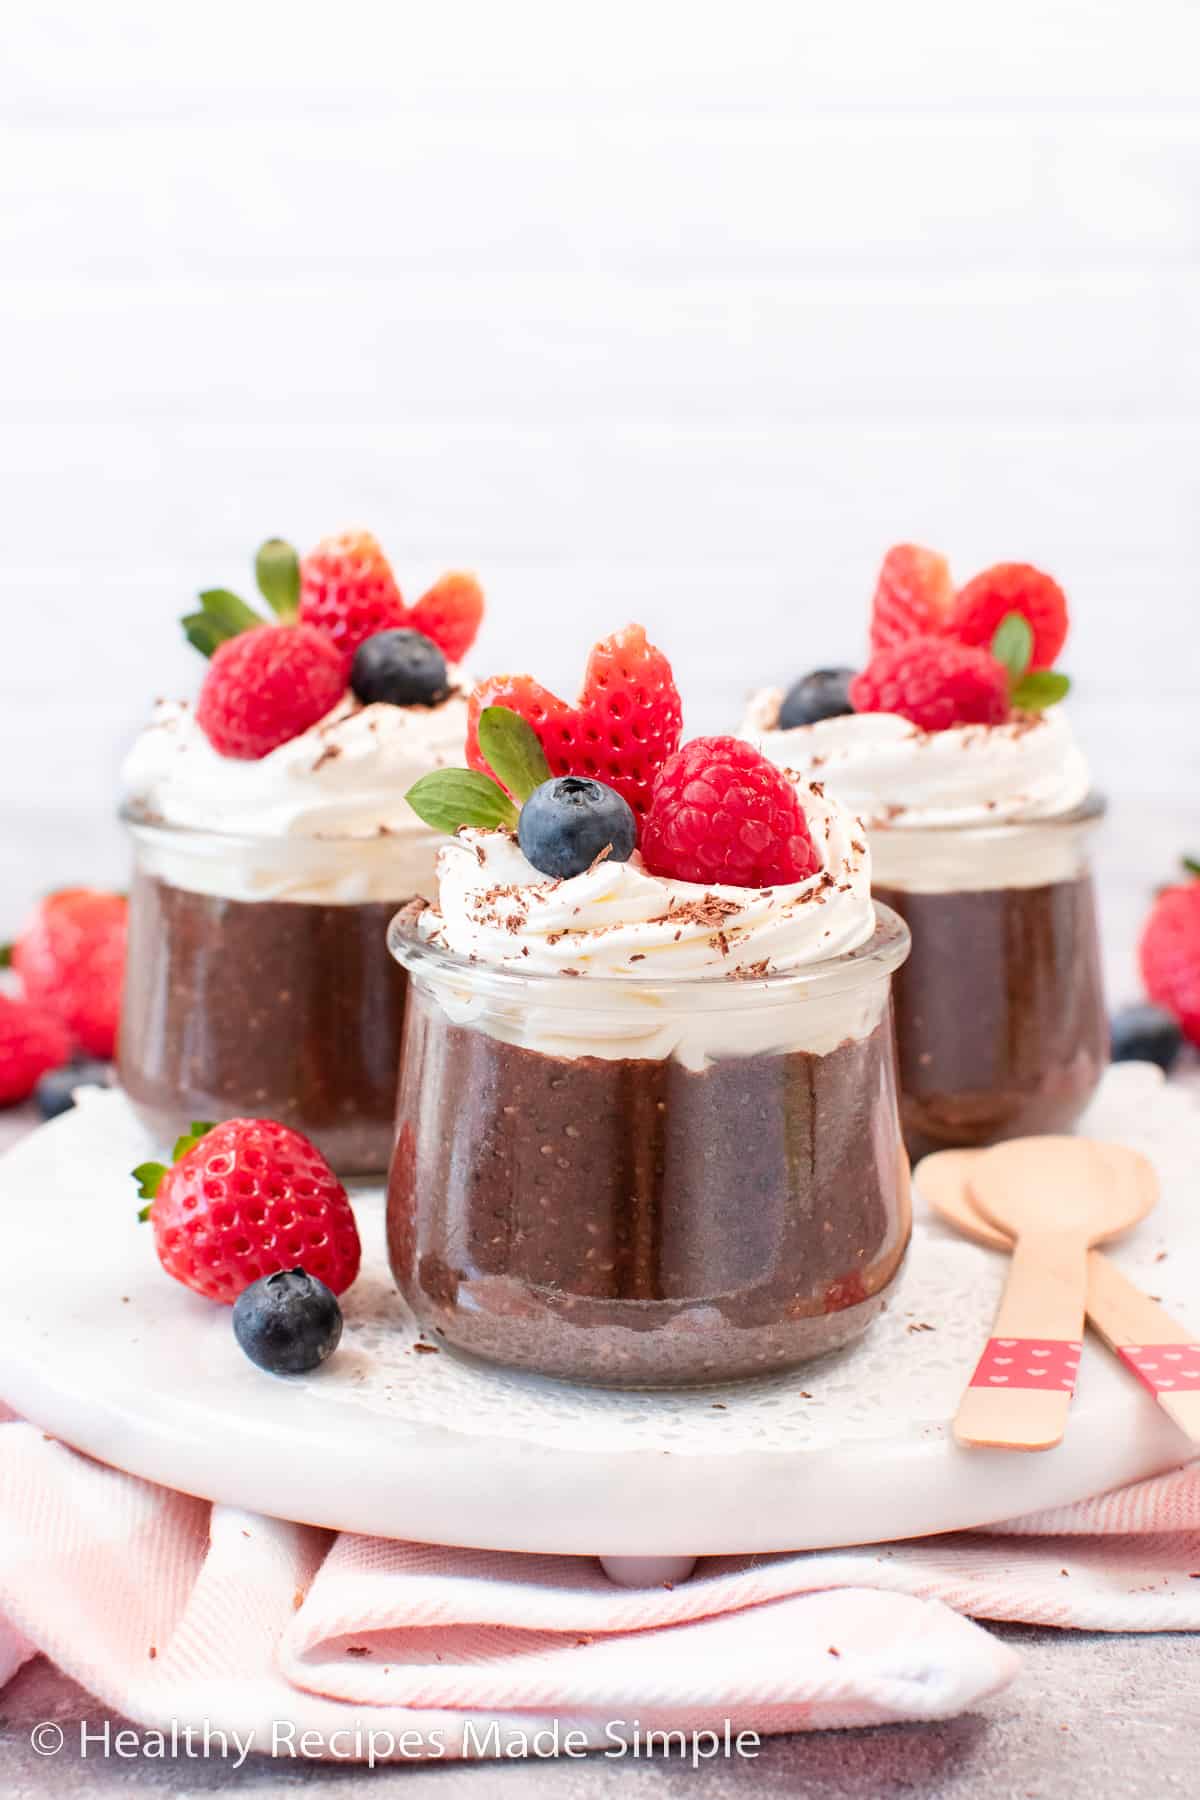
(259, 984)
(648, 1183)
(1000, 1016)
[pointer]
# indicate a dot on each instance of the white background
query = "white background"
(679, 312)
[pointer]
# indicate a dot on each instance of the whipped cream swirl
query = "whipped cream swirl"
(617, 920)
(324, 816)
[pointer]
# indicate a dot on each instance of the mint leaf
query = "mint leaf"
(448, 798)
(1040, 688)
(148, 1176)
(1012, 645)
(1192, 864)
(512, 750)
(277, 572)
(222, 616)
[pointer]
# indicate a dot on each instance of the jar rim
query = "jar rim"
(874, 960)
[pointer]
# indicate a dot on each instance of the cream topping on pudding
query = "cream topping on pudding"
(343, 780)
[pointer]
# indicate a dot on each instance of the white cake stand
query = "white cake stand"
(100, 1348)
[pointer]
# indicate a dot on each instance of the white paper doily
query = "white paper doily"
(98, 1346)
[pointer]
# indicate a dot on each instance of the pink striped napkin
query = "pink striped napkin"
(173, 1612)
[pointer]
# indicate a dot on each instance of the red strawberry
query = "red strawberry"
(1012, 588)
(243, 1200)
(935, 682)
(450, 613)
(625, 725)
(723, 814)
(32, 1042)
(266, 686)
(348, 591)
(1170, 955)
(70, 957)
(913, 596)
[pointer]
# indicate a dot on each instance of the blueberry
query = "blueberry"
(287, 1323)
(399, 668)
(1144, 1033)
(825, 694)
(55, 1092)
(567, 822)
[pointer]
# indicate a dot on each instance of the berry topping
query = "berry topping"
(1012, 588)
(70, 957)
(55, 1093)
(348, 591)
(913, 596)
(266, 686)
(451, 614)
(934, 682)
(1143, 1033)
(626, 723)
(243, 1200)
(1170, 955)
(570, 821)
(32, 1041)
(287, 1323)
(825, 694)
(399, 668)
(722, 814)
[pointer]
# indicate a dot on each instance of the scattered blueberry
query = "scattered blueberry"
(825, 694)
(566, 823)
(399, 668)
(55, 1092)
(1145, 1033)
(287, 1323)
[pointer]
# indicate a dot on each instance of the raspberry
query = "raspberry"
(935, 682)
(32, 1042)
(1009, 588)
(450, 614)
(266, 686)
(70, 957)
(722, 814)
(913, 596)
(348, 591)
(245, 1199)
(626, 724)
(1170, 955)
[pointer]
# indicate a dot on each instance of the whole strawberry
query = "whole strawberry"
(625, 724)
(1170, 954)
(348, 591)
(70, 957)
(721, 814)
(267, 685)
(244, 1199)
(934, 682)
(32, 1042)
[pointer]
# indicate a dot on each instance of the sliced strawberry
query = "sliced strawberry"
(1012, 588)
(913, 596)
(450, 613)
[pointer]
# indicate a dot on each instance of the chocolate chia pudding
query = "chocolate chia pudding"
(637, 1222)
(647, 1132)
(1000, 1015)
(223, 1017)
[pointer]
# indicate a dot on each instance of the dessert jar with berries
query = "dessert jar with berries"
(952, 748)
(272, 846)
(647, 1120)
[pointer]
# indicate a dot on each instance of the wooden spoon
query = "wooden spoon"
(1163, 1354)
(1056, 1197)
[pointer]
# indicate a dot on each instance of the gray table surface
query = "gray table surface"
(1092, 1715)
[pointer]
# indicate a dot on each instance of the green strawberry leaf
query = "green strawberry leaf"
(448, 798)
(222, 616)
(1012, 645)
(6, 955)
(1192, 864)
(199, 1128)
(1039, 689)
(149, 1177)
(512, 750)
(277, 572)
